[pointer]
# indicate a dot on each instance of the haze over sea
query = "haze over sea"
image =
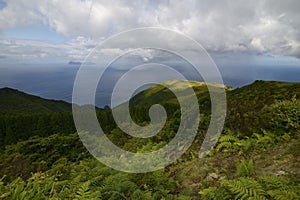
(55, 81)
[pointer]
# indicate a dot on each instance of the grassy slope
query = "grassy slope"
(196, 174)
(248, 101)
(159, 93)
(14, 101)
(259, 93)
(243, 104)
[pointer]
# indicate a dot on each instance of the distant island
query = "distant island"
(74, 63)
(80, 63)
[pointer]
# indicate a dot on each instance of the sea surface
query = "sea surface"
(55, 81)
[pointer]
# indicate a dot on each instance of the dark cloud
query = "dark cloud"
(251, 26)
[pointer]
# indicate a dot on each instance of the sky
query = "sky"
(39, 29)
(240, 36)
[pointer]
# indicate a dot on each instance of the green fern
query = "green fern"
(245, 188)
(245, 168)
(117, 186)
(244, 145)
(227, 143)
(274, 182)
(83, 192)
(224, 146)
(38, 187)
(266, 140)
(141, 195)
(279, 188)
(97, 181)
(283, 195)
(215, 193)
(228, 138)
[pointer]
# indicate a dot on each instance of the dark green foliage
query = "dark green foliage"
(227, 143)
(90, 180)
(43, 158)
(263, 187)
(245, 188)
(215, 193)
(38, 187)
(17, 127)
(14, 101)
(245, 104)
(282, 116)
(38, 154)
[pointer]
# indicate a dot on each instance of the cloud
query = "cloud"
(240, 26)
(17, 49)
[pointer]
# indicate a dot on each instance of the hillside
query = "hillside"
(14, 101)
(251, 106)
(160, 94)
(246, 106)
(261, 92)
(256, 157)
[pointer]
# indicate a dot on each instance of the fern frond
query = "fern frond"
(215, 193)
(245, 168)
(283, 194)
(274, 182)
(223, 146)
(245, 188)
(83, 192)
(228, 138)
(97, 181)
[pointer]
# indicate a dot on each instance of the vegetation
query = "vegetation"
(14, 101)
(256, 157)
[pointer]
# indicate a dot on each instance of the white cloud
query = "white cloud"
(16, 49)
(264, 26)
(257, 45)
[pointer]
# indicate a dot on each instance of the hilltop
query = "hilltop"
(161, 94)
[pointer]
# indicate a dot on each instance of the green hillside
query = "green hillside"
(161, 94)
(246, 106)
(251, 97)
(23, 116)
(253, 105)
(14, 101)
(256, 157)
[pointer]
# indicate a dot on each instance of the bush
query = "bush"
(282, 116)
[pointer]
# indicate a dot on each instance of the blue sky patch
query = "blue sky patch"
(33, 33)
(2, 4)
